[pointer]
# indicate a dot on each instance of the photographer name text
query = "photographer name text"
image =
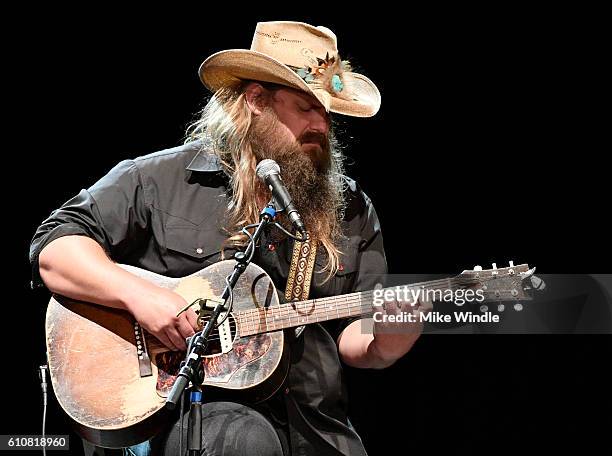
(435, 317)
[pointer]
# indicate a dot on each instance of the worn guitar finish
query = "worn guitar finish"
(112, 378)
(114, 386)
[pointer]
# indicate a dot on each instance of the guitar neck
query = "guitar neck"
(298, 313)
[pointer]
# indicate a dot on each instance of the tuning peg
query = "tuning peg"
(494, 265)
(511, 263)
(484, 308)
(518, 306)
(477, 268)
(501, 307)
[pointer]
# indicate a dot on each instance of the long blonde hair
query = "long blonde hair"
(223, 127)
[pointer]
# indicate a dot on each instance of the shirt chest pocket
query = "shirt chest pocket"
(189, 249)
(342, 281)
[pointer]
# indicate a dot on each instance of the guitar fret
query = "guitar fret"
(300, 312)
(252, 322)
(286, 315)
(307, 312)
(276, 312)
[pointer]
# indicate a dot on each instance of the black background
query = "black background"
(488, 148)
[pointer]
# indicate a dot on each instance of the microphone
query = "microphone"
(269, 172)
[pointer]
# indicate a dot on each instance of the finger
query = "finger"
(176, 338)
(392, 307)
(192, 318)
(425, 305)
(408, 306)
(184, 327)
(166, 341)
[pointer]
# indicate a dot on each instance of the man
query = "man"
(176, 211)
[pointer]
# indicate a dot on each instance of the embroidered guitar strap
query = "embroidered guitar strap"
(300, 271)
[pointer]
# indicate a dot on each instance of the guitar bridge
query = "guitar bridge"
(144, 362)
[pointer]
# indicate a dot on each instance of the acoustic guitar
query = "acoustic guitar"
(112, 378)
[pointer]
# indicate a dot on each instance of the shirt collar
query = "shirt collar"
(205, 161)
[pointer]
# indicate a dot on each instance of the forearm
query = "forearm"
(363, 354)
(78, 267)
(359, 347)
(386, 349)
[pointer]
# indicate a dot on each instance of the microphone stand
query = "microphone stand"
(191, 370)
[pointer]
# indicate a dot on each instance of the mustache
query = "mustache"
(314, 137)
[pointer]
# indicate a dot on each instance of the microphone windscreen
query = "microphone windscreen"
(267, 167)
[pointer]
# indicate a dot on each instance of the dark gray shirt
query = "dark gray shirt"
(165, 212)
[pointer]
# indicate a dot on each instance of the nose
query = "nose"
(319, 121)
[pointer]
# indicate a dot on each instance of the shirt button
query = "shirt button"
(271, 247)
(199, 250)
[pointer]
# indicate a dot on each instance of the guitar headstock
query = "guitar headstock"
(507, 284)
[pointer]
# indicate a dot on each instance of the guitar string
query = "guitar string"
(250, 320)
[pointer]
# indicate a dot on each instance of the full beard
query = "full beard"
(308, 176)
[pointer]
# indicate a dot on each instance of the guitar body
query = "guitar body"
(112, 378)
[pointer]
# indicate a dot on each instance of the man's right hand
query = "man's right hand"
(78, 267)
(156, 311)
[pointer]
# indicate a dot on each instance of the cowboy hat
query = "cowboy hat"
(300, 56)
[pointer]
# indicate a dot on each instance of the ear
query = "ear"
(256, 97)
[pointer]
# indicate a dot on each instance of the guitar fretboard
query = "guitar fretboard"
(298, 313)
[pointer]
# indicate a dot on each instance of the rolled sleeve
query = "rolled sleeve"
(113, 212)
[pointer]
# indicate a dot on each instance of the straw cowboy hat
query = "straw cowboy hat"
(300, 56)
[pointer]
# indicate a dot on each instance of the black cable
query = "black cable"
(231, 302)
(182, 423)
(182, 407)
(43, 423)
(231, 292)
(251, 240)
(42, 373)
(292, 236)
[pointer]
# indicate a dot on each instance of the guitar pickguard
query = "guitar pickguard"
(219, 369)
